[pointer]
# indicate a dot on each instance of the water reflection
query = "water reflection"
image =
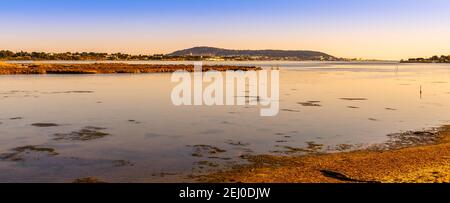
(47, 121)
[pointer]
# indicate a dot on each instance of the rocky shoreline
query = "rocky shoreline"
(411, 157)
(109, 68)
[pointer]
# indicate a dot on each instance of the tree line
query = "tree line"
(10, 55)
(433, 59)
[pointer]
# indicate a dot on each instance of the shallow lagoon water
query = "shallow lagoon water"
(144, 138)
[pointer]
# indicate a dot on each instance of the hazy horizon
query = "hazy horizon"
(388, 30)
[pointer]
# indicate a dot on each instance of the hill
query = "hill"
(269, 54)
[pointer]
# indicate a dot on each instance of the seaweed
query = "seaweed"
(18, 153)
(121, 163)
(88, 180)
(44, 125)
(310, 103)
(237, 143)
(353, 99)
(86, 134)
(201, 150)
(207, 163)
(290, 110)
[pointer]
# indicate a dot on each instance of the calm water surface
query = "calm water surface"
(142, 137)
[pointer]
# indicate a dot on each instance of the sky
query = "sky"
(381, 29)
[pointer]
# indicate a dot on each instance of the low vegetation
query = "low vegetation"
(434, 59)
(7, 65)
(108, 68)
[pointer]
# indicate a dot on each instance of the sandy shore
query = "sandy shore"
(107, 68)
(415, 157)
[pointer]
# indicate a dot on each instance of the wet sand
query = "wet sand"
(107, 68)
(413, 157)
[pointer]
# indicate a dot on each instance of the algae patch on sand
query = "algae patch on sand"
(20, 153)
(86, 134)
(202, 150)
(44, 125)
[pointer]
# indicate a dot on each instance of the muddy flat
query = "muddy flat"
(109, 68)
(428, 163)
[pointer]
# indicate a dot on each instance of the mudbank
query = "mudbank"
(108, 68)
(411, 157)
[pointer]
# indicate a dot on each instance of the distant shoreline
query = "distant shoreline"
(191, 54)
(190, 60)
(186, 61)
(425, 62)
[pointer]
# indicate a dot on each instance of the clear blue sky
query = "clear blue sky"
(384, 29)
